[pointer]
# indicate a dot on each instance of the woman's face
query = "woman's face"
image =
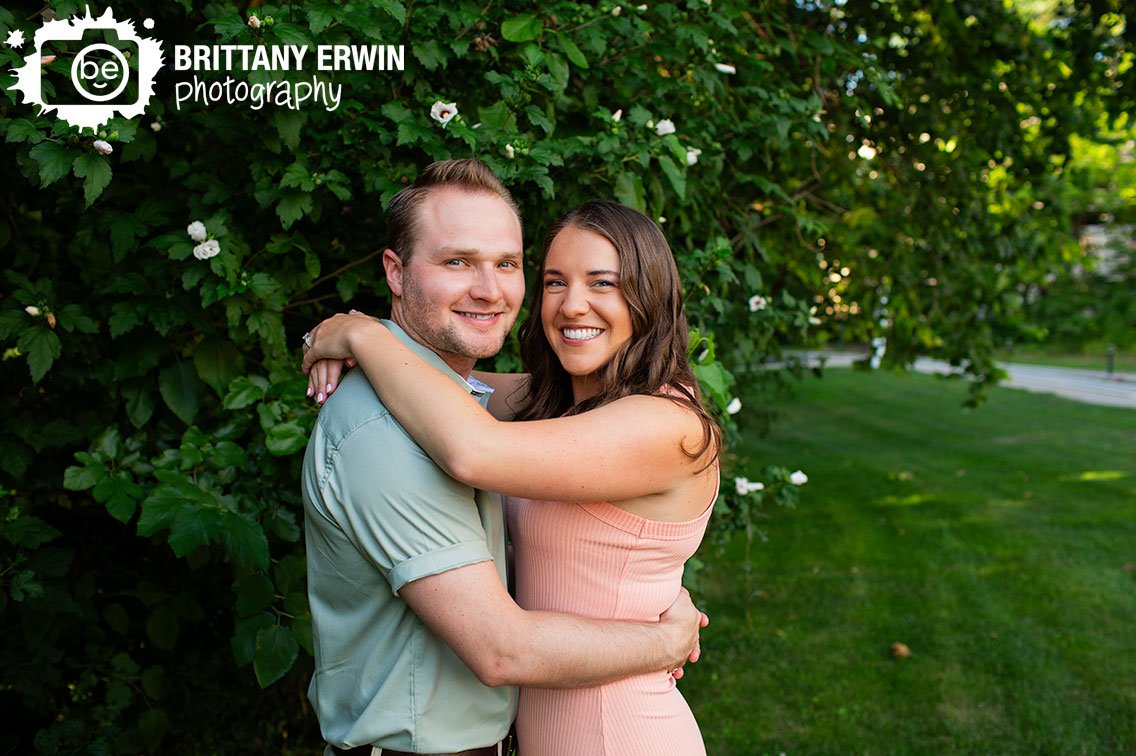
(585, 316)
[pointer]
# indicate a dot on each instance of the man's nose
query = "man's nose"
(486, 286)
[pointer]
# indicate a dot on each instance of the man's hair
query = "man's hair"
(654, 362)
(469, 174)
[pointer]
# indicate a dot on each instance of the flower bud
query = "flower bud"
(102, 147)
(32, 310)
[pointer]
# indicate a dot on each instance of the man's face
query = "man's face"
(461, 289)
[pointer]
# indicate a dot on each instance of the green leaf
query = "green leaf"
(276, 652)
(28, 532)
(218, 362)
(394, 8)
(181, 389)
(675, 175)
(292, 206)
(289, 124)
(117, 619)
(290, 34)
(522, 28)
(152, 726)
(162, 627)
(244, 541)
(139, 405)
(42, 346)
(23, 130)
(284, 439)
(54, 160)
(254, 594)
(193, 528)
(244, 391)
(243, 641)
(430, 54)
(120, 495)
(571, 50)
(81, 478)
(629, 191)
(95, 171)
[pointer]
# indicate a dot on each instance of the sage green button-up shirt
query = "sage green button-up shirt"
(379, 514)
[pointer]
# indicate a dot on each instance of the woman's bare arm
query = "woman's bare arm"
(629, 448)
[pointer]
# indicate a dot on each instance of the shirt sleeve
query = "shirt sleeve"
(408, 517)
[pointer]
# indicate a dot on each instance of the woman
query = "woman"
(612, 476)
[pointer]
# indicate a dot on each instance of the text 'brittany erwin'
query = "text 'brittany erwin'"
(288, 57)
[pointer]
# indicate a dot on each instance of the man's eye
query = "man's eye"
(454, 263)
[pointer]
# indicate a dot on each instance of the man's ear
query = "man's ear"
(393, 266)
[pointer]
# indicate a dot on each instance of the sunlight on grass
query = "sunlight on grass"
(913, 500)
(1090, 475)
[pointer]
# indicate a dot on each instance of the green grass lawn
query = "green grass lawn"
(997, 543)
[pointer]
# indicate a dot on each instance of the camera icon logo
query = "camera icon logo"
(111, 73)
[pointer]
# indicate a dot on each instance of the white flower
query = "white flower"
(617, 115)
(444, 112)
(617, 10)
(757, 303)
(734, 407)
(207, 249)
(725, 68)
(196, 231)
(866, 151)
(155, 127)
(103, 147)
(664, 127)
(662, 219)
(32, 310)
(510, 152)
(254, 22)
(642, 7)
(798, 478)
(692, 154)
(744, 486)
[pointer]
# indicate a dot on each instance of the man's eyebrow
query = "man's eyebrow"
(474, 251)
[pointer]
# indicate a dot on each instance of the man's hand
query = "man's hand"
(683, 622)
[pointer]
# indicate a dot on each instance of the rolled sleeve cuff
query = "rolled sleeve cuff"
(435, 562)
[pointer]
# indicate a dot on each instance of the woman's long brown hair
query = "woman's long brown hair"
(654, 362)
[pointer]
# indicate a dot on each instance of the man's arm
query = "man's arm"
(471, 612)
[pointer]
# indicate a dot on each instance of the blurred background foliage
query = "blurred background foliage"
(917, 176)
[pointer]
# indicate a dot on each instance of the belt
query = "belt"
(366, 751)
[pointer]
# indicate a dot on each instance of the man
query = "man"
(417, 641)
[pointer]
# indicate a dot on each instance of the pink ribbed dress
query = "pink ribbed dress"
(598, 560)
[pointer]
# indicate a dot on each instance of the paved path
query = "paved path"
(1091, 386)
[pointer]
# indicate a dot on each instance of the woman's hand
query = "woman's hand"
(323, 378)
(328, 351)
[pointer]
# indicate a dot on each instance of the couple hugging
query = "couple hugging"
(607, 458)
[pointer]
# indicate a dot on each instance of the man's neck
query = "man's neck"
(460, 364)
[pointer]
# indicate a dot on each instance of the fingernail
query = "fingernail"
(328, 389)
(320, 398)
(310, 391)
